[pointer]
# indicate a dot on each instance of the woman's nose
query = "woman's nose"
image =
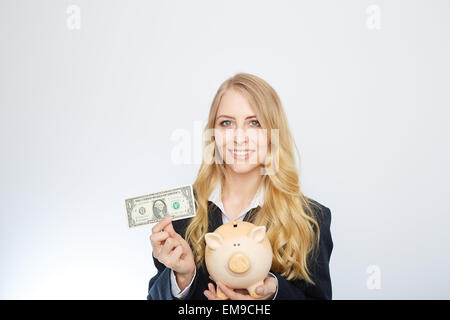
(240, 136)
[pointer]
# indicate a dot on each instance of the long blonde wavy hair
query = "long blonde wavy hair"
(290, 221)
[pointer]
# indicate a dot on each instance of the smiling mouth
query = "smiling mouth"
(241, 154)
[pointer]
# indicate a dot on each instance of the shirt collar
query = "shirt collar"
(216, 198)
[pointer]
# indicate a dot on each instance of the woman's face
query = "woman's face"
(240, 140)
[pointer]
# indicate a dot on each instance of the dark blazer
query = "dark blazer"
(159, 285)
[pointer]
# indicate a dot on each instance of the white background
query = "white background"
(87, 116)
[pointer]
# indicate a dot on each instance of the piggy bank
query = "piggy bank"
(239, 254)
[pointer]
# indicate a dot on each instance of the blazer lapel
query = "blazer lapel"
(214, 217)
(249, 216)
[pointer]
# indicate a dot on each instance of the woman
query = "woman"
(249, 173)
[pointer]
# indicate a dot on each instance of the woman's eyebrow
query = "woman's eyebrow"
(230, 117)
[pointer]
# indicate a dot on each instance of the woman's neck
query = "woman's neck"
(241, 188)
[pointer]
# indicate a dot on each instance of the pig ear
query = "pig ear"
(258, 233)
(213, 240)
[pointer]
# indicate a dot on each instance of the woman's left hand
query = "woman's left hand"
(269, 289)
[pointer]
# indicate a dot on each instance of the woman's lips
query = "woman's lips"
(240, 154)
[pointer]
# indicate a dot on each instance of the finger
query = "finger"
(269, 287)
(212, 288)
(157, 238)
(174, 256)
(179, 237)
(168, 246)
(210, 295)
(230, 293)
(161, 224)
(170, 230)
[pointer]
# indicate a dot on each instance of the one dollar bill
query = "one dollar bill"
(148, 209)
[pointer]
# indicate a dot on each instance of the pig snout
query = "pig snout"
(239, 263)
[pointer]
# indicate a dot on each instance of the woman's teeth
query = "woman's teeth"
(241, 152)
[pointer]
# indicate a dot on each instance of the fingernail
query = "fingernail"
(259, 290)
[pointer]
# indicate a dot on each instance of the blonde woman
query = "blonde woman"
(248, 172)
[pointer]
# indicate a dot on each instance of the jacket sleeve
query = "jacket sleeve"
(176, 291)
(159, 287)
(320, 272)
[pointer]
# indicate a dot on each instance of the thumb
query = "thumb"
(268, 288)
(260, 290)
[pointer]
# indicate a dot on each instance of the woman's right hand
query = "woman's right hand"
(173, 251)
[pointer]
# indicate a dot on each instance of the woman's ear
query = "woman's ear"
(213, 240)
(258, 233)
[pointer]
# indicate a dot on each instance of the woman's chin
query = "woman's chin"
(243, 168)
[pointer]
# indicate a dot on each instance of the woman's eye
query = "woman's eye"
(225, 123)
(255, 123)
